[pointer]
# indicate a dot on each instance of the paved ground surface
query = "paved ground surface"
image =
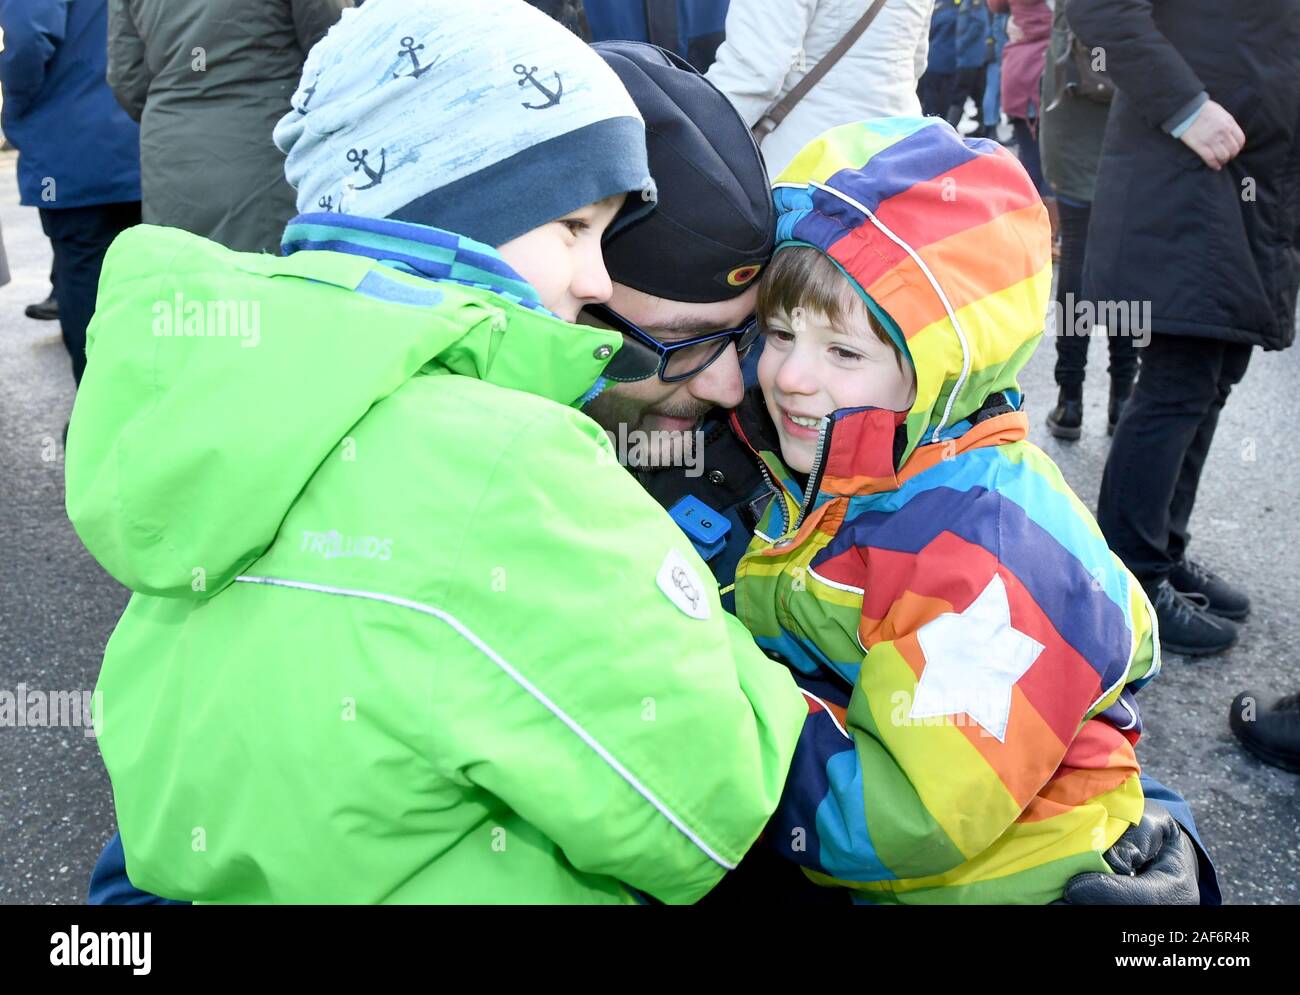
(57, 608)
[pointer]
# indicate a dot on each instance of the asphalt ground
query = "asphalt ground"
(58, 607)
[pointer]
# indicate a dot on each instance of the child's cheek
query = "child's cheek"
(906, 390)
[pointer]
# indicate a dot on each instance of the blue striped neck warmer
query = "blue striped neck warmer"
(412, 248)
(420, 250)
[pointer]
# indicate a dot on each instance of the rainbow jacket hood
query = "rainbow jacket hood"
(182, 462)
(947, 242)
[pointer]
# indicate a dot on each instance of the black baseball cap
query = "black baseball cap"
(712, 231)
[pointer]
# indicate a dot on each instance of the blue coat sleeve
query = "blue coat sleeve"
(109, 884)
(33, 29)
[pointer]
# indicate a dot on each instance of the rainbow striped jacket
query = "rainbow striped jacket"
(968, 640)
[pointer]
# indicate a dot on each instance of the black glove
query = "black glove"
(1155, 863)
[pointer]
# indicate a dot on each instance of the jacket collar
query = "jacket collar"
(549, 356)
(411, 248)
(856, 454)
(860, 448)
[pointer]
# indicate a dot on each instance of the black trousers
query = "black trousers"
(1072, 350)
(80, 237)
(967, 83)
(935, 93)
(1154, 468)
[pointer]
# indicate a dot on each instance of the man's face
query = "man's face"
(651, 405)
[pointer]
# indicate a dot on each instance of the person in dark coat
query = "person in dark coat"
(207, 82)
(692, 28)
(976, 48)
(78, 154)
(1196, 213)
(936, 85)
(1070, 132)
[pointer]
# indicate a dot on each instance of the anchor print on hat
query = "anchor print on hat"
(410, 48)
(307, 94)
(553, 96)
(481, 118)
(359, 158)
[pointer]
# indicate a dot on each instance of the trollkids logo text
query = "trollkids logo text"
(334, 545)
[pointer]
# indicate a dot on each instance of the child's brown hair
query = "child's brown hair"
(804, 277)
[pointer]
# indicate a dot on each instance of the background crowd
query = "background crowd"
(1168, 160)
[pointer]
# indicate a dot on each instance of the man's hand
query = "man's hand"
(1154, 863)
(1215, 136)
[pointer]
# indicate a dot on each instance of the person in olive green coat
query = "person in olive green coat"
(207, 82)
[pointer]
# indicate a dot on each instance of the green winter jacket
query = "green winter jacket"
(403, 629)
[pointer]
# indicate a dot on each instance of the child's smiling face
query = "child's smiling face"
(811, 367)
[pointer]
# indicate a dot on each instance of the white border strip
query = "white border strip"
(849, 588)
(519, 679)
(843, 732)
(1133, 719)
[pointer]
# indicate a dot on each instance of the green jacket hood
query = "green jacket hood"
(218, 382)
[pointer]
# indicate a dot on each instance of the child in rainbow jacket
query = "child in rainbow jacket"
(924, 569)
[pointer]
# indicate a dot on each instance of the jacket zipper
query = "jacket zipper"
(775, 488)
(815, 474)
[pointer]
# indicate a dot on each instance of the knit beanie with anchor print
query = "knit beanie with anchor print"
(485, 118)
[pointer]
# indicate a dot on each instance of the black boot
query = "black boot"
(46, 310)
(1273, 733)
(1222, 599)
(1185, 626)
(1120, 392)
(1065, 421)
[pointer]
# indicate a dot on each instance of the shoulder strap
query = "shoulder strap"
(775, 114)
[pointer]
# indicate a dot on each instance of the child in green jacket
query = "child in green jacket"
(403, 629)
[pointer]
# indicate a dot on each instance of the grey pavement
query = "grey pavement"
(58, 608)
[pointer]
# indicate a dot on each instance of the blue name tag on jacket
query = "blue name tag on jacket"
(706, 528)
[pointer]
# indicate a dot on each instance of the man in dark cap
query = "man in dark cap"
(688, 275)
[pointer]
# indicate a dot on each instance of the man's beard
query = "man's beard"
(623, 416)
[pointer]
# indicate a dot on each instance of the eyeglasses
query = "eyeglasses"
(643, 355)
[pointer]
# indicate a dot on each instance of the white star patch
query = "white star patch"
(973, 660)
